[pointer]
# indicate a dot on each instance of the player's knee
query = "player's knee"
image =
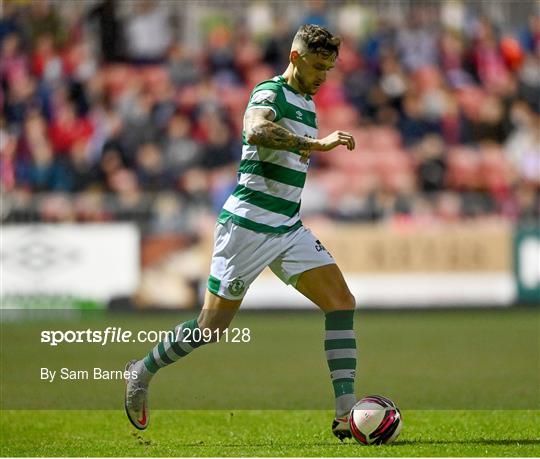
(350, 301)
(345, 301)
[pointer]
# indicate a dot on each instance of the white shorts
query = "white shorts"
(240, 255)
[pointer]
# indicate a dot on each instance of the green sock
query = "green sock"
(340, 347)
(180, 342)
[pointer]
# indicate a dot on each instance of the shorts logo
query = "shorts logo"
(236, 287)
(319, 247)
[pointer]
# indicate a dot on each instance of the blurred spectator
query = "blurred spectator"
(45, 20)
(413, 125)
(416, 43)
(430, 157)
(57, 208)
(180, 151)
(111, 36)
(529, 80)
(488, 123)
(148, 31)
(34, 131)
(138, 124)
(43, 171)
(182, 66)
(24, 95)
(8, 148)
(448, 207)
(10, 23)
(277, 47)
(489, 63)
(67, 129)
(523, 145)
(13, 62)
(316, 13)
(220, 148)
(530, 35)
(46, 63)
(89, 206)
(79, 66)
(477, 204)
(221, 59)
(110, 163)
(129, 203)
(151, 172)
(169, 216)
(195, 185)
(528, 204)
(84, 174)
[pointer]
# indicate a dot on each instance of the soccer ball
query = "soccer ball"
(375, 420)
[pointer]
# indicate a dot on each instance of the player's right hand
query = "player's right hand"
(335, 139)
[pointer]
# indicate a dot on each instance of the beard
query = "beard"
(306, 87)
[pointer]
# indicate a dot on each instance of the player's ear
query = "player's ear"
(293, 57)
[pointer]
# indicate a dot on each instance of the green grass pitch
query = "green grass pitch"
(467, 382)
(263, 433)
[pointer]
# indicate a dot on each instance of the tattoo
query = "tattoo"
(272, 135)
(261, 131)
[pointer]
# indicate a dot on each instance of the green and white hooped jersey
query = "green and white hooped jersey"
(270, 182)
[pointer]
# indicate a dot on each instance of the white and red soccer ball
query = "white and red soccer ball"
(375, 420)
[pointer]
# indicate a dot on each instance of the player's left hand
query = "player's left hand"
(333, 140)
(347, 138)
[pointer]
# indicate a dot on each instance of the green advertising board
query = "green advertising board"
(527, 264)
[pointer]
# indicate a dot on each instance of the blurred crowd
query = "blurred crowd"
(109, 113)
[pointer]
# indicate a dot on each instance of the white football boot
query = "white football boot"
(136, 400)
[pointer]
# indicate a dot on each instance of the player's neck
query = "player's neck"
(291, 81)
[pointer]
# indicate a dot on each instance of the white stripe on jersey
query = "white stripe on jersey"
(271, 187)
(298, 128)
(298, 101)
(255, 107)
(258, 215)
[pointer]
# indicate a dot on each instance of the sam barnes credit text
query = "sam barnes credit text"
(68, 374)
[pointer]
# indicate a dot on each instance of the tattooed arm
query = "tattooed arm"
(261, 130)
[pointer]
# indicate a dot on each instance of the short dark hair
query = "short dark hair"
(317, 39)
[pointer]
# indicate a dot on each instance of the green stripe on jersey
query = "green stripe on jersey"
(269, 84)
(298, 114)
(273, 171)
(254, 226)
(267, 202)
(276, 104)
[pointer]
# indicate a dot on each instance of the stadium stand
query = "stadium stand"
(109, 113)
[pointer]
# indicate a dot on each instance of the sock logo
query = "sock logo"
(236, 287)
